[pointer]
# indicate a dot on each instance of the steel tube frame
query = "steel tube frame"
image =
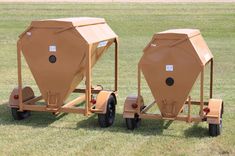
(68, 108)
(188, 117)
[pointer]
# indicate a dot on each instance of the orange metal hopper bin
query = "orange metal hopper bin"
(171, 63)
(60, 54)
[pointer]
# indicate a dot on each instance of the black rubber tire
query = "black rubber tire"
(132, 123)
(19, 115)
(107, 119)
(216, 129)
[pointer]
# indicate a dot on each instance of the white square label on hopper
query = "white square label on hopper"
(102, 44)
(52, 48)
(207, 57)
(169, 68)
(29, 33)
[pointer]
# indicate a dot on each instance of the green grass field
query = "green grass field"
(72, 134)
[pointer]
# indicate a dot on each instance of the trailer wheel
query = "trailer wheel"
(132, 123)
(19, 115)
(107, 119)
(216, 129)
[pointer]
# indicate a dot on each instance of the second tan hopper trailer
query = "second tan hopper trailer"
(171, 63)
(60, 54)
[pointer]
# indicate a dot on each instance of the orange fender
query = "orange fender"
(216, 108)
(102, 101)
(27, 94)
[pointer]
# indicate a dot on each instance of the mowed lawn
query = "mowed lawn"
(74, 134)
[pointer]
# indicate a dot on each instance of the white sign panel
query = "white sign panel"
(102, 44)
(29, 33)
(207, 57)
(169, 68)
(52, 48)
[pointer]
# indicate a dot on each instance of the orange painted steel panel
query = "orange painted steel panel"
(55, 51)
(171, 64)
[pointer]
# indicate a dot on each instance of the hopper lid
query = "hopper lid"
(68, 22)
(178, 33)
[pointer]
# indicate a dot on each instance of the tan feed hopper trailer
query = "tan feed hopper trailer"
(171, 63)
(60, 54)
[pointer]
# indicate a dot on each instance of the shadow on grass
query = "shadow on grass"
(147, 127)
(38, 119)
(196, 131)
